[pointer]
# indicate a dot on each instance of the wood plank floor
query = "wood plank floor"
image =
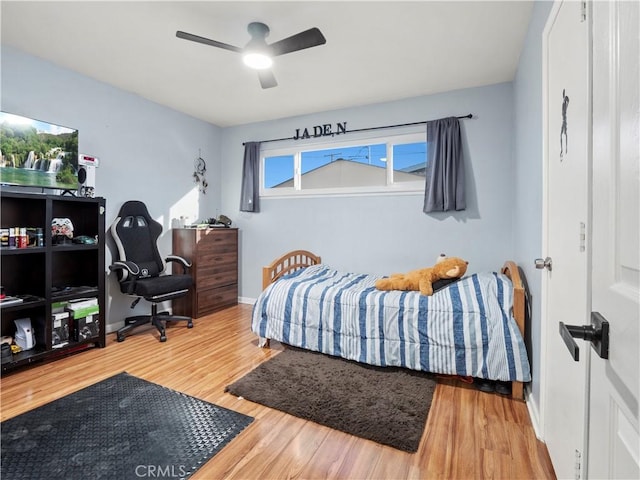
(469, 434)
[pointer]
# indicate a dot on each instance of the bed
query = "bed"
(472, 328)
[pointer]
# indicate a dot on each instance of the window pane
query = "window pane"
(344, 167)
(409, 162)
(278, 171)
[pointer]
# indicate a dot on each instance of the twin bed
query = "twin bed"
(472, 328)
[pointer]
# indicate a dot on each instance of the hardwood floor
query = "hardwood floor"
(469, 434)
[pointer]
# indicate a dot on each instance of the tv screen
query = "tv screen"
(37, 154)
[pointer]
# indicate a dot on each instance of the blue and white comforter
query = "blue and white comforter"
(464, 329)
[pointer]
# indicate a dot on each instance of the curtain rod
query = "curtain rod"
(366, 129)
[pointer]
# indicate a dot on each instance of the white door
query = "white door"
(614, 445)
(565, 215)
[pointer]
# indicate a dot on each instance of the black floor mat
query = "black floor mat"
(120, 428)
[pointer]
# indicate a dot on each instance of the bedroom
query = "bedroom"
(504, 142)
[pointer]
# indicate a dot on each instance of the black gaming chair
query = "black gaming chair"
(140, 268)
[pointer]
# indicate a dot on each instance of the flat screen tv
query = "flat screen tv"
(37, 154)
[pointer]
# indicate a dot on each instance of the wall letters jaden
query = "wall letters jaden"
(325, 130)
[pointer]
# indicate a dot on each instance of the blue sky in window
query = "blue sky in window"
(279, 169)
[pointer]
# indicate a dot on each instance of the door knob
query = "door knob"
(597, 333)
(543, 263)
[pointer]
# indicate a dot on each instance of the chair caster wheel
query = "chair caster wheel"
(163, 338)
(120, 338)
(189, 325)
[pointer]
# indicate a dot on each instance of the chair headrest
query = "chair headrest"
(134, 207)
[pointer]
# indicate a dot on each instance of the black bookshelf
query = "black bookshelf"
(48, 273)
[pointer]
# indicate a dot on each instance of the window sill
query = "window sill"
(369, 193)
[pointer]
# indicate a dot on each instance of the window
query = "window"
(373, 165)
(278, 170)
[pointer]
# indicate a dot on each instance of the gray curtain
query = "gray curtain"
(444, 183)
(250, 194)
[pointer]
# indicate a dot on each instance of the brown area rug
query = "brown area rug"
(388, 405)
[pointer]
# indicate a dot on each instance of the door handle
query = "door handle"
(543, 263)
(597, 333)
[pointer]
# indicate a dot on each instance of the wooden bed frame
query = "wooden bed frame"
(287, 263)
(292, 261)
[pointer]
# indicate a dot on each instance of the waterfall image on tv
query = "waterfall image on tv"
(37, 154)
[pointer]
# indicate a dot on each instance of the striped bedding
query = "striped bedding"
(464, 329)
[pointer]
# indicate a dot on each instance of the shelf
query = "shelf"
(74, 247)
(73, 294)
(26, 357)
(31, 302)
(39, 354)
(21, 251)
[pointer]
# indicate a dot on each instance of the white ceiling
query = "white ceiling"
(375, 51)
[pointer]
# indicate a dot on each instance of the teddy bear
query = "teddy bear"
(446, 268)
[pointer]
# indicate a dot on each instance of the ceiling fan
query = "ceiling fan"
(258, 54)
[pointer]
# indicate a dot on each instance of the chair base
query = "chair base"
(155, 319)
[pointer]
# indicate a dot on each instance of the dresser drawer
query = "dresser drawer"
(215, 270)
(218, 279)
(213, 299)
(218, 242)
(214, 261)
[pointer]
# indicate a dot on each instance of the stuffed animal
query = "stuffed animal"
(424, 278)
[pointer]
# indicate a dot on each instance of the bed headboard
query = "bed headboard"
(287, 263)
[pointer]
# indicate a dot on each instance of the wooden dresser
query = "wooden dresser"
(213, 253)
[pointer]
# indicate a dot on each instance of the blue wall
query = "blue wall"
(146, 151)
(528, 181)
(385, 234)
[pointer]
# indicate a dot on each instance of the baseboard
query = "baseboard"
(534, 414)
(113, 327)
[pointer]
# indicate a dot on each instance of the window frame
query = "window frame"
(412, 135)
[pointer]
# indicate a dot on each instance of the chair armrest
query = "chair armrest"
(130, 271)
(175, 258)
(130, 267)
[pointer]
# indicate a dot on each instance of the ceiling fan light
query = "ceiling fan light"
(257, 60)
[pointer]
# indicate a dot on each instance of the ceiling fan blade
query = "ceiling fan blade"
(207, 41)
(307, 39)
(267, 78)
